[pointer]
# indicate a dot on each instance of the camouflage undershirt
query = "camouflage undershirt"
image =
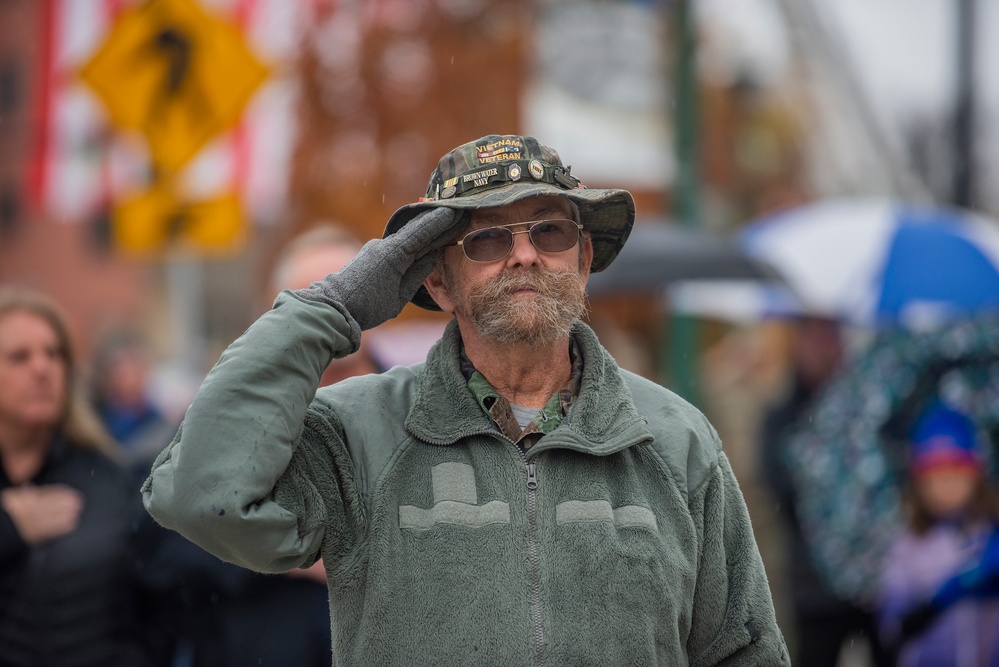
(498, 407)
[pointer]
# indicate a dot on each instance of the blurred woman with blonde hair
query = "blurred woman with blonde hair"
(68, 511)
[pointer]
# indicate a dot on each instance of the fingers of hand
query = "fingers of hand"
(43, 512)
(317, 573)
(454, 226)
(415, 276)
(427, 231)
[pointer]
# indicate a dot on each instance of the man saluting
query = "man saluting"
(517, 499)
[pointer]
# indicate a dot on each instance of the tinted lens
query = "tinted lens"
(493, 243)
(554, 235)
(487, 245)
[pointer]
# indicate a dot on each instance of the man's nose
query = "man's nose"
(523, 253)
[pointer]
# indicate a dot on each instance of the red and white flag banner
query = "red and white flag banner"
(83, 163)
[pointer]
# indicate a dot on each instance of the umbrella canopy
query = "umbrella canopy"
(873, 261)
(733, 301)
(847, 463)
(658, 254)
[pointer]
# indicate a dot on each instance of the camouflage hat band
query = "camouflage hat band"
(510, 171)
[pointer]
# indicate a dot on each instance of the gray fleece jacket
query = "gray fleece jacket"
(621, 538)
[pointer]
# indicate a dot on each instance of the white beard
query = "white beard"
(559, 299)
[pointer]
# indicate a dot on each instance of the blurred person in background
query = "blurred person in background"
(184, 581)
(939, 604)
(823, 621)
(517, 498)
(120, 389)
(69, 589)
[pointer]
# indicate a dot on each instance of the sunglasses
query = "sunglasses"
(494, 243)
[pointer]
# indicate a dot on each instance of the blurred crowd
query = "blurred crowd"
(931, 586)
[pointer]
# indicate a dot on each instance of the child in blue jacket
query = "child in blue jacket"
(940, 589)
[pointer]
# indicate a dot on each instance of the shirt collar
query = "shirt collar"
(498, 407)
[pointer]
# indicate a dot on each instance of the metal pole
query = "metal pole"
(681, 357)
(964, 111)
(185, 294)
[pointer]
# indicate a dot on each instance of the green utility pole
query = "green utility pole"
(963, 193)
(682, 354)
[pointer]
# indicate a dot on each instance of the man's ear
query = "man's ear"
(435, 286)
(585, 256)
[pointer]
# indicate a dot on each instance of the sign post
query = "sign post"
(180, 77)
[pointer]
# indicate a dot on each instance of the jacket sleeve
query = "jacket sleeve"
(222, 482)
(733, 621)
(897, 592)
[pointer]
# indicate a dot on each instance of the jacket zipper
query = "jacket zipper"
(534, 559)
(533, 552)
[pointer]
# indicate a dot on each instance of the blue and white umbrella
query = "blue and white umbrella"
(875, 261)
(733, 301)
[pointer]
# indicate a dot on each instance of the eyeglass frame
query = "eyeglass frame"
(532, 223)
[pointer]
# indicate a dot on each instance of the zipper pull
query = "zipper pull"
(532, 476)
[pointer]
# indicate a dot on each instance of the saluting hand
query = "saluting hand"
(385, 274)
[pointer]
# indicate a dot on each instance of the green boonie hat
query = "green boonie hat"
(500, 169)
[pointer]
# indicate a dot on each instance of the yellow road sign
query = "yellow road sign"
(157, 220)
(177, 74)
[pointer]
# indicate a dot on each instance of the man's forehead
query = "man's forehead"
(528, 209)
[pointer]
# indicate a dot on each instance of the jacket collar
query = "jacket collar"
(602, 420)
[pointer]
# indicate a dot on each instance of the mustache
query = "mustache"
(543, 281)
